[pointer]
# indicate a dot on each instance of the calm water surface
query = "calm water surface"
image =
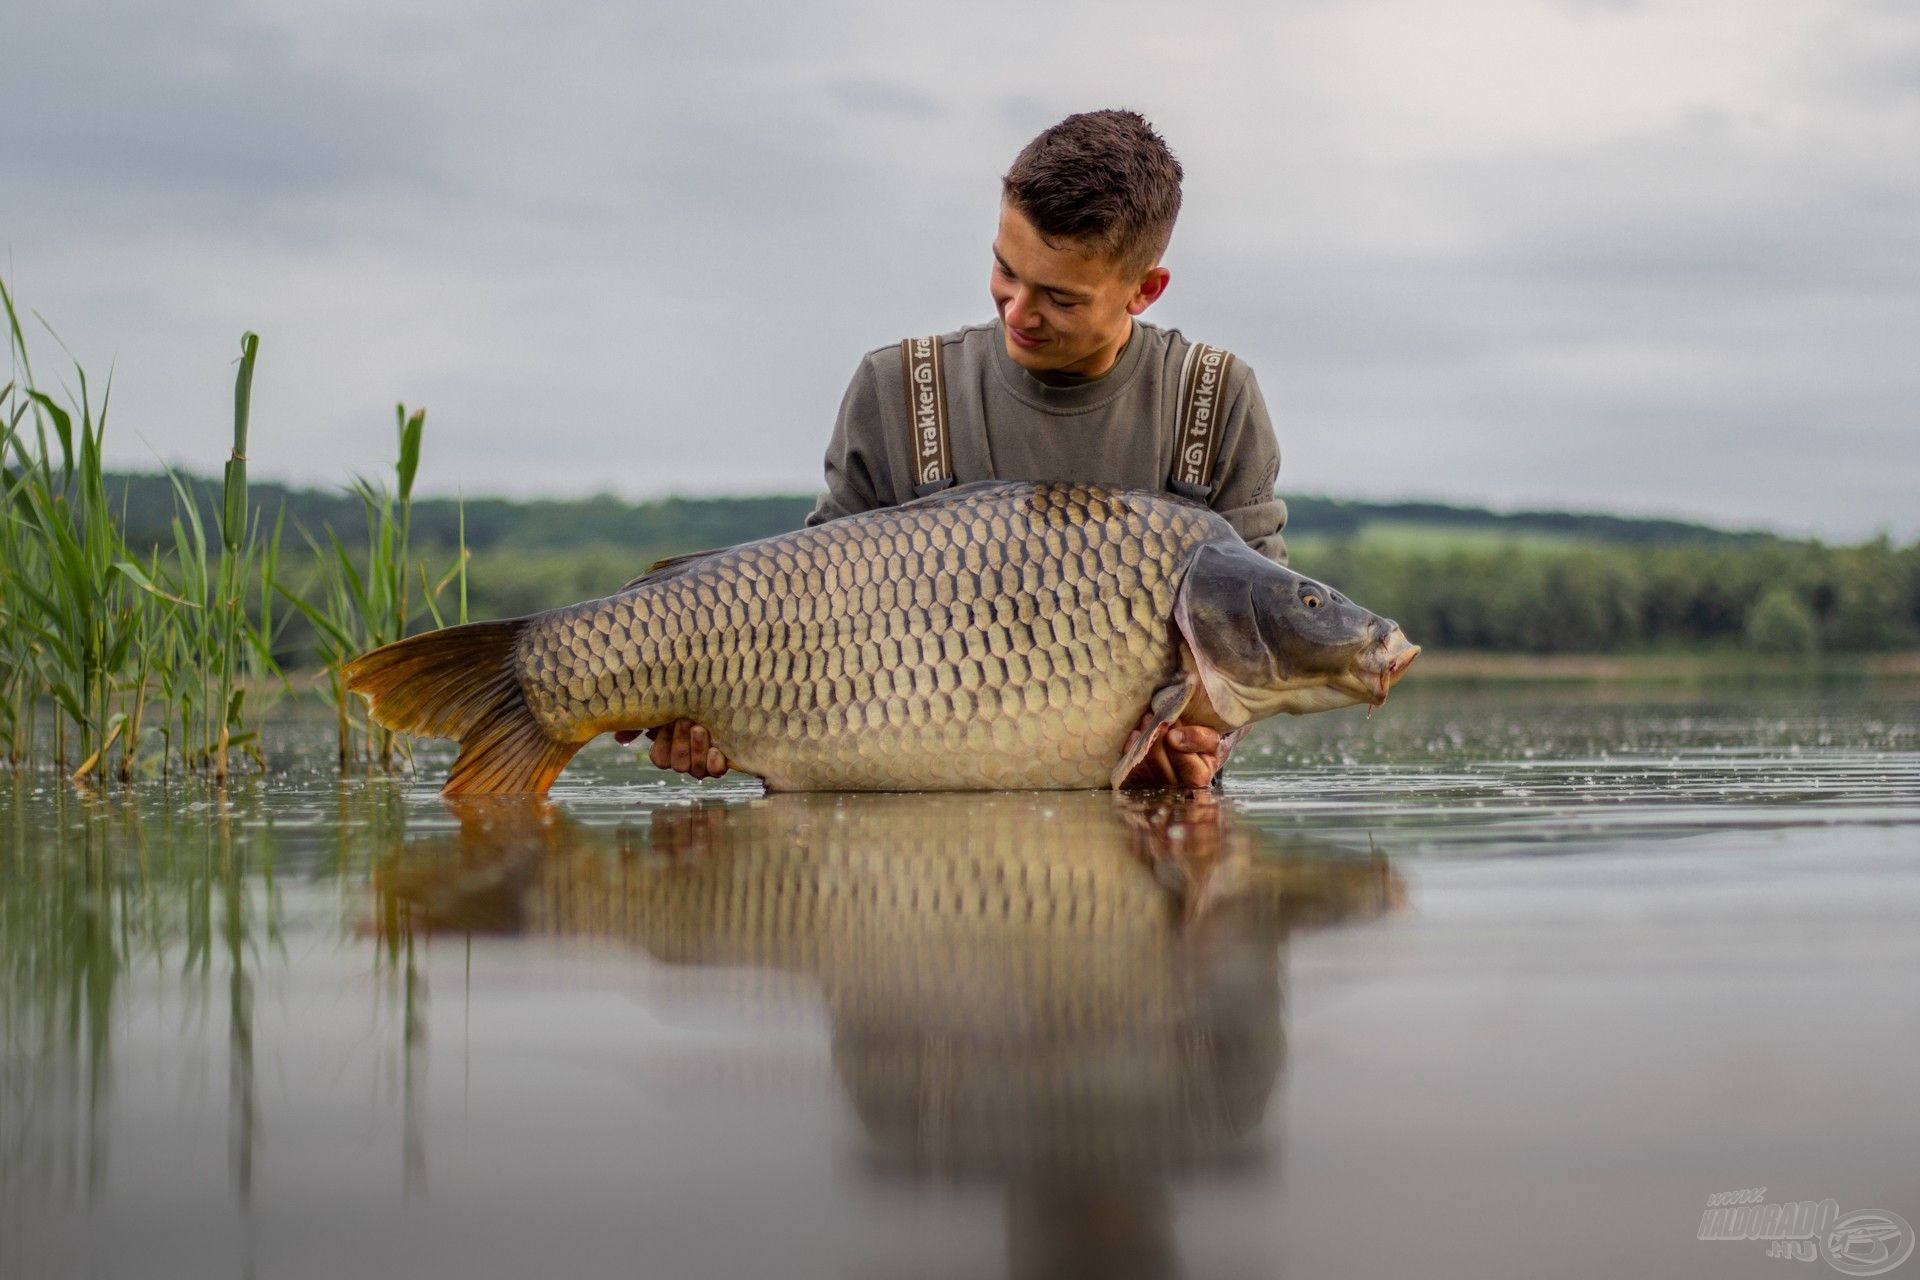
(1493, 984)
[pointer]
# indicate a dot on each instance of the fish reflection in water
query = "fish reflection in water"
(1076, 996)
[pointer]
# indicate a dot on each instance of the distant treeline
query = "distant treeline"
(663, 527)
(1594, 583)
(1771, 595)
(668, 526)
(1340, 518)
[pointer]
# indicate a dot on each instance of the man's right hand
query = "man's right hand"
(1187, 756)
(683, 747)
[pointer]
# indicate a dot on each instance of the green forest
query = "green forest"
(1454, 577)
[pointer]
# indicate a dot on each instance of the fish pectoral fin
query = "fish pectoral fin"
(1168, 702)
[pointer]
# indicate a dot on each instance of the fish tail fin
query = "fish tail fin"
(460, 683)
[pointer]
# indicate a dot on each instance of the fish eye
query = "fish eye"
(1310, 597)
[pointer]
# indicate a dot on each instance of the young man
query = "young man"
(1065, 385)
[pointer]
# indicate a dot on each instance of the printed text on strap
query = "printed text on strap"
(926, 385)
(1203, 388)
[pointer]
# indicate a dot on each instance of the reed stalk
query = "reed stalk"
(365, 599)
(235, 543)
(153, 651)
(90, 626)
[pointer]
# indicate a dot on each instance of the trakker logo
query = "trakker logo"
(1202, 399)
(926, 409)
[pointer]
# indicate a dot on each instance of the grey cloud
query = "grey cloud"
(1696, 213)
(1584, 8)
(1681, 324)
(123, 97)
(645, 245)
(1031, 112)
(886, 97)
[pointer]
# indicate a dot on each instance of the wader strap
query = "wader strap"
(926, 380)
(1203, 387)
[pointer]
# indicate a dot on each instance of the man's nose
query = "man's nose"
(1019, 310)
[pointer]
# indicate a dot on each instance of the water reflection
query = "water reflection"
(92, 885)
(134, 910)
(1075, 997)
(848, 1037)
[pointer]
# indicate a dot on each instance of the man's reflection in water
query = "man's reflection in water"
(1076, 996)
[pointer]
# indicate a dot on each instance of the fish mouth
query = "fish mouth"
(1381, 667)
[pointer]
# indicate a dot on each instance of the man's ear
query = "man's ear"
(1151, 286)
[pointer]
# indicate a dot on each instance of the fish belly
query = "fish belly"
(1008, 641)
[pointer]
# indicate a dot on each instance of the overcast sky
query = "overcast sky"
(1657, 257)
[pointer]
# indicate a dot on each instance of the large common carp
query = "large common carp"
(993, 635)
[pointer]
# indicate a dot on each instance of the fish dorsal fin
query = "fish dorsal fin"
(672, 566)
(962, 492)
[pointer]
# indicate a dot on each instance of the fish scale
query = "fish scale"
(1007, 640)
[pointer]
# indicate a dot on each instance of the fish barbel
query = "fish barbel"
(995, 635)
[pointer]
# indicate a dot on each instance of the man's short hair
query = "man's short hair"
(1103, 180)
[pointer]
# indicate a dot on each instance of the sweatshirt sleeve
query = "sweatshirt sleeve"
(1245, 495)
(853, 460)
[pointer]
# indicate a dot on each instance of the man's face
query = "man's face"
(1064, 309)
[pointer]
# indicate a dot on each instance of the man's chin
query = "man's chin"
(1033, 359)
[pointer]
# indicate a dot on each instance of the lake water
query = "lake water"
(1496, 983)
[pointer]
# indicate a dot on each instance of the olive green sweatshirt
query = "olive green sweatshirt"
(1117, 429)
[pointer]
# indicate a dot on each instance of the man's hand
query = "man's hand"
(682, 746)
(1187, 755)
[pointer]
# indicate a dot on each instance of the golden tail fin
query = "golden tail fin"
(460, 683)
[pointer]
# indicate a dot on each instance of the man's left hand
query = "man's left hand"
(682, 746)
